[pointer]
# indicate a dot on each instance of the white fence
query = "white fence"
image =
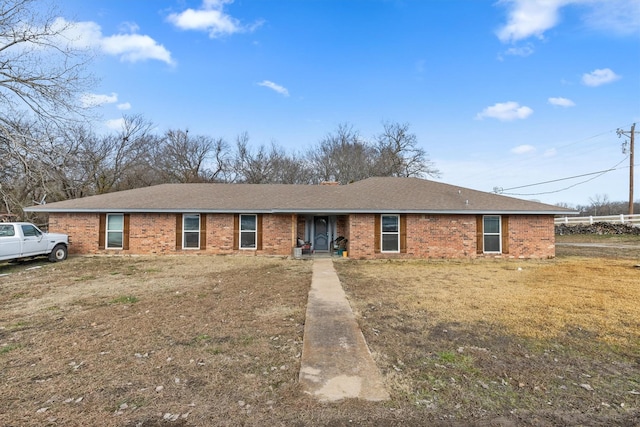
(614, 219)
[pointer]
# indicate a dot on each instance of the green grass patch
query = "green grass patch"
(125, 299)
(18, 325)
(202, 338)
(7, 348)
(245, 340)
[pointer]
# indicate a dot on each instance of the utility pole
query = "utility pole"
(630, 134)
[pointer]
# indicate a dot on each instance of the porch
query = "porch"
(320, 235)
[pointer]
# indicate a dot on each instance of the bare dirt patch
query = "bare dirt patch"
(206, 340)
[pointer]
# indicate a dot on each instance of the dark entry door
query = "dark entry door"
(321, 233)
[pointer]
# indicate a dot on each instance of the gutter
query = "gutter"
(309, 211)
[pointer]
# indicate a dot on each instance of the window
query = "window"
(248, 231)
(491, 233)
(7, 230)
(390, 233)
(30, 231)
(115, 231)
(191, 231)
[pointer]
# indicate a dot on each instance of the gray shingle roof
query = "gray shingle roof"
(383, 194)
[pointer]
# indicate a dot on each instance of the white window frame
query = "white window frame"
(485, 234)
(108, 231)
(389, 233)
(254, 231)
(185, 232)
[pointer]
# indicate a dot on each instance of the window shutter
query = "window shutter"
(259, 232)
(376, 234)
(203, 231)
(125, 232)
(479, 234)
(236, 232)
(178, 232)
(102, 231)
(403, 233)
(505, 234)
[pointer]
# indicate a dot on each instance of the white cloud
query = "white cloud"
(561, 102)
(523, 51)
(551, 152)
(532, 18)
(89, 100)
(135, 47)
(528, 18)
(523, 149)
(271, 85)
(124, 106)
(599, 77)
(129, 27)
(621, 17)
(505, 111)
(129, 47)
(115, 124)
(210, 17)
(79, 35)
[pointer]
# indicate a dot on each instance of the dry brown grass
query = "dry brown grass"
(124, 341)
(554, 342)
(536, 299)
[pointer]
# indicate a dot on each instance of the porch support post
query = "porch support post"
(294, 230)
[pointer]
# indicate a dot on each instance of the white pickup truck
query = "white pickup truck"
(25, 240)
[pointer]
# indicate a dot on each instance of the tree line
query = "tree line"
(601, 205)
(46, 164)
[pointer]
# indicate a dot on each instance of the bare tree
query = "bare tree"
(600, 204)
(185, 158)
(116, 160)
(41, 68)
(255, 167)
(293, 169)
(40, 163)
(41, 73)
(342, 156)
(398, 153)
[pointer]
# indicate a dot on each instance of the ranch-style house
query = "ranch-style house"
(369, 219)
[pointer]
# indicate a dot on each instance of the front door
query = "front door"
(321, 233)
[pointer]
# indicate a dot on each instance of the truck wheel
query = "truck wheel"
(59, 253)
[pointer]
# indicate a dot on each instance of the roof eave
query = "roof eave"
(308, 211)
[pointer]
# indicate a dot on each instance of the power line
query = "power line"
(598, 175)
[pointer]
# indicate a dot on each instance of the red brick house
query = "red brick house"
(379, 217)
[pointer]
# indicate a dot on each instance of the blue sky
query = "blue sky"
(500, 93)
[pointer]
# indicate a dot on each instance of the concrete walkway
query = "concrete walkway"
(336, 362)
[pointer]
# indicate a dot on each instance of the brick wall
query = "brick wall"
(82, 228)
(155, 233)
(441, 236)
(454, 236)
(531, 236)
(276, 235)
(428, 236)
(151, 233)
(361, 232)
